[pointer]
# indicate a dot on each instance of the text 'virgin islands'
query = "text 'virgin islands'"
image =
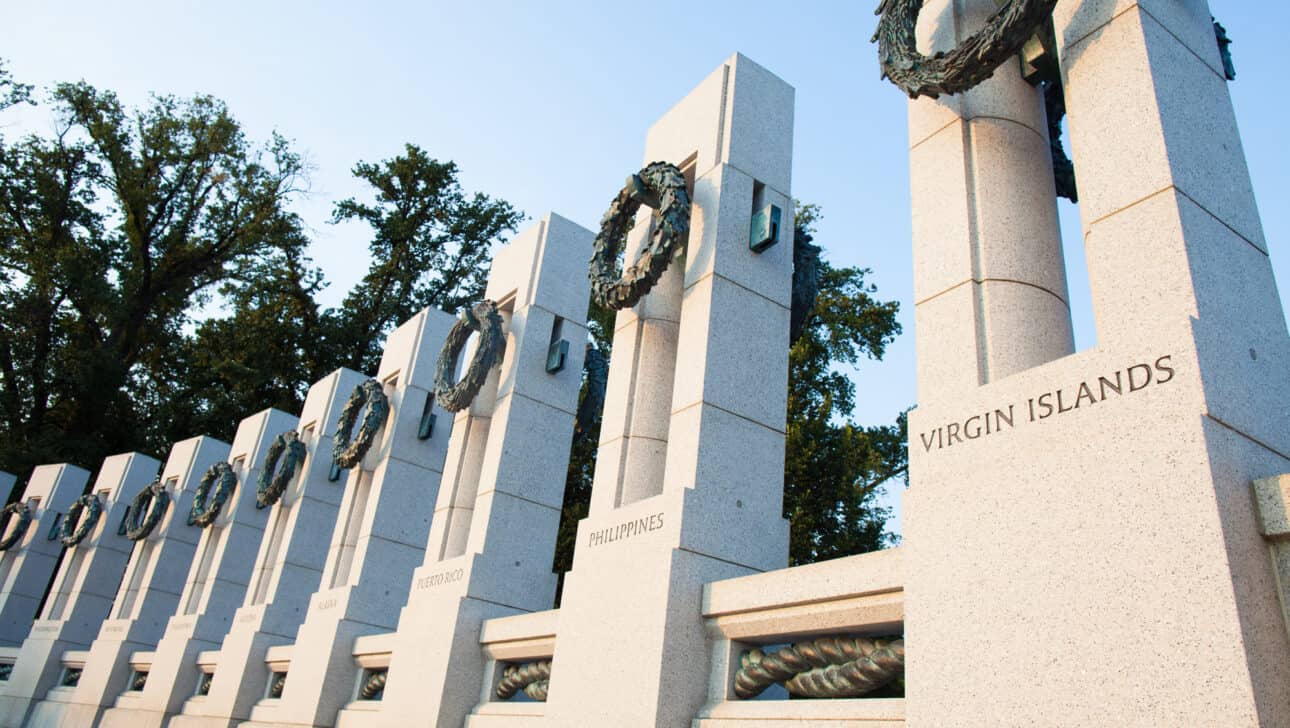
(1050, 404)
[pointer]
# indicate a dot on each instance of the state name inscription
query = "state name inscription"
(443, 577)
(635, 527)
(1050, 404)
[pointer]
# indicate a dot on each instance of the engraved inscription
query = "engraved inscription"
(445, 577)
(1065, 399)
(626, 530)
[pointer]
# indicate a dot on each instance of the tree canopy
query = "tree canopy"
(123, 224)
(833, 466)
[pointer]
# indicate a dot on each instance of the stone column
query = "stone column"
(27, 567)
(631, 649)
(1107, 526)
(214, 586)
(378, 540)
(634, 427)
(146, 598)
(989, 275)
(287, 568)
(83, 589)
(506, 501)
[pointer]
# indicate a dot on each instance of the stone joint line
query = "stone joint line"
(1191, 199)
(1250, 437)
(979, 117)
(974, 238)
(980, 281)
(737, 284)
(1139, 7)
(729, 412)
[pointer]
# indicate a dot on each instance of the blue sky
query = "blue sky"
(546, 105)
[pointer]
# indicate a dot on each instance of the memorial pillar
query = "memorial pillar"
(83, 589)
(27, 567)
(631, 649)
(287, 569)
(494, 531)
(146, 598)
(378, 541)
(1108, 514)
(213, 588)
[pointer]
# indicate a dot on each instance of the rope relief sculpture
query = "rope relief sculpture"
(207, 504)
(146, 511)
(75, 528)
(19, 527)
(533, 678)
(483, 318)
(661, 186)
(369, 398)
(273, 480)
(827, 667)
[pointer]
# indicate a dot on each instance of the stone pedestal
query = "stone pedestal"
(213, 588)
(704, 502)
(83, 589)
(493, 536)
(378, 540)
(1082, 544)
(27, 567)
(287, 568)
(146, 598)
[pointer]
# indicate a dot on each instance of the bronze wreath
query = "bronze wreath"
(75, 528)
(146, 511)
(967, 64)
(827, 667)
(273, 480)
(534, 678)
(204, 510)
(19, 528)
(481, 317)
(661, 186)
(347, 452)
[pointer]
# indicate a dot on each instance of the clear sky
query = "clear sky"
(546, 105)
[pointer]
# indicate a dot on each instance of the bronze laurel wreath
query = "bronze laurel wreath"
(828, 667)
(661, 186)
(146, 511)
(76, 528)
(481, 317)
(967, 64)
(532, 677)
(347, 452)
(273, 480)
(24, 519)
(207, 504)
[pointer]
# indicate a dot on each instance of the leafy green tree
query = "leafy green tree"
(119, 228)
(431, 246)
(586, 436)
(833, 467)
(12, 93)
(113, 230)
(265, 352)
